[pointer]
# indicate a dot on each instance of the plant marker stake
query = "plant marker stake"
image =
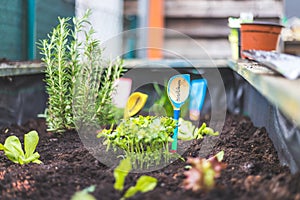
(135, 103)
(178, 92)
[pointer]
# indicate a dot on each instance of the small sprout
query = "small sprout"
(120, 173)
(187, 167)
(188, 131)
(13, 149)
(204, 130)
(203, 172)
(143, 184)
(84, 194)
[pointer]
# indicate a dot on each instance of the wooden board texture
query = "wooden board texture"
(206, 21)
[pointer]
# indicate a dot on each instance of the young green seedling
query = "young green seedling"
(188, 131)
(143, 184)
(120, 173)
(178, 92)
(84, 194)
(13, 149)
(203, 172)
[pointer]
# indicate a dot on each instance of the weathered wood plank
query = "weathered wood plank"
(273, 88)
(20, 68)
(179, 48)
(195, 8)
(204, 27)
(209, 28)
(196, 49)
(214, 8)
(176, 63)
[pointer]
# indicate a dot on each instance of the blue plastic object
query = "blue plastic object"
(197, 97)
(178, 93)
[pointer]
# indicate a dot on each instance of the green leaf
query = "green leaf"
(120, 173)
(14, 152)
(185, 130)
(37, 161)
(144, 184)
(209, 180)
(31, 140)
(220, 156)
(33, 158)
(84, 194)
(13, 149)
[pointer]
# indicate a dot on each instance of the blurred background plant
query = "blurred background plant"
(203, 172)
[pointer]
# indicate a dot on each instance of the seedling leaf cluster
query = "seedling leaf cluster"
(143, 184)
(84, 194)
(144, 139)
(12, 148)
(203, 172)
(188, 131)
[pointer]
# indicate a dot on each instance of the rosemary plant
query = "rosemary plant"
(77, 77)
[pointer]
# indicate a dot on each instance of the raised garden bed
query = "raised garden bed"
(253, 169)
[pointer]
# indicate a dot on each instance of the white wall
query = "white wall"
(107, 19)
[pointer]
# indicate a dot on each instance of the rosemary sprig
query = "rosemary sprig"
(77, 76)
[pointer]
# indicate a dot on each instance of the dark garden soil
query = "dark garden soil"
(253, 169)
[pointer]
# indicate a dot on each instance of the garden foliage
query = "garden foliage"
(77, 65)
(13, 149)
(85, 194)
(203, 172)
(145, 140)
(143, 184)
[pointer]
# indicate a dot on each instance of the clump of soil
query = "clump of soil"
(253, 169)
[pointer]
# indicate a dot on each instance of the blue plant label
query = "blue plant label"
(179, 89)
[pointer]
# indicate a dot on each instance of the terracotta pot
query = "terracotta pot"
(260, 36)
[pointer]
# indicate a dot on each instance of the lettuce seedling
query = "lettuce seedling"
(204, 130)
(13, 149)
(120, 173)
(84, 194)
(144, 183)
(203, 172)
(188, 131)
